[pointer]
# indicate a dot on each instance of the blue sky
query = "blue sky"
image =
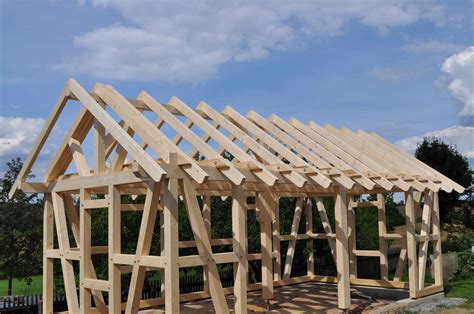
(400, 68)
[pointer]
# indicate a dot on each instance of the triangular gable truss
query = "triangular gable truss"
(303, 154)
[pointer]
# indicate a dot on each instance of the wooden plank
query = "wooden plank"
(425, 231)
(342, 251)
(204, 246)
(96, 284)
(239, 230)
(429, 291)
(48, 263)
(63, 241)
(143, 245)
(114, 241)
(148, 164)
(294, 232)
(411, 243)
(437, 254)
(382, 229)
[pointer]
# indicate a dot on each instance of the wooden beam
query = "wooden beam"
(265, 205)
(48, 263)
(239, 230)
(170, 218)
(85, 253)
(204, 246)
(342, 251)
(143, 246)
(292, 245)
(63, 241)
(41, 139)
(382, 228)
(309, 242)
(425, 231)
(411, 243)
(148, 164)
(114, 240)
(437, 254)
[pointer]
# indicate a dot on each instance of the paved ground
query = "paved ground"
(305, 298)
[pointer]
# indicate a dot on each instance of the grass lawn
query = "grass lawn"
(20, 286)
(461, 288)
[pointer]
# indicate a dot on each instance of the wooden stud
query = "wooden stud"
(425, 230)
(48, 264)
(85, 252)
(342, 251)
(239, 243)
(437, 254)
(411, 243)
(382, 224)
(309, 242)
(265, 205)
(114, 248)
(352, 240)
(292, 245)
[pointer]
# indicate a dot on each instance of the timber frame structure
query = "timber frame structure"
(272, 158)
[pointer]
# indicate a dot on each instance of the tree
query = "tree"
(20, 229)
(447, 160)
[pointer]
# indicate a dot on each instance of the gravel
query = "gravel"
(437, 305)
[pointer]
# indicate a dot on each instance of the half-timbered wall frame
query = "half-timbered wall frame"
(272, 158)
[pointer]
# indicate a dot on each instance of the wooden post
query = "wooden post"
(352, 241)
(381, 214)
(206, 214)
(48, 240)
(85, 249)
(99, 147)
(264, 207)
(437, 256)
(114, 248)
(170, 207)
(342, 252)
(239, 228)
(423, 246)
(276, 241)
(411, 243)
(309, 242)
(292, 244)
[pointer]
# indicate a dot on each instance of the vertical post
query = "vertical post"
(425, 231)
(264, 205)
(352, 241)
(239, 242)
(170, 202)
(114, 248)
(437, 256)
(162, 249)
(276, 242)
(85, 252)
(206, 213)
(342, 252)
(411, 243)
(381, 214)
(309, 242)
(48, 240)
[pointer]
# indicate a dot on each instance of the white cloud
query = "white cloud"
(187, 41)
(17, 135)
(433, 46)
(460, 136)
(459, 71)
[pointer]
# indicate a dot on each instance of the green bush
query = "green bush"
(465, 265)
